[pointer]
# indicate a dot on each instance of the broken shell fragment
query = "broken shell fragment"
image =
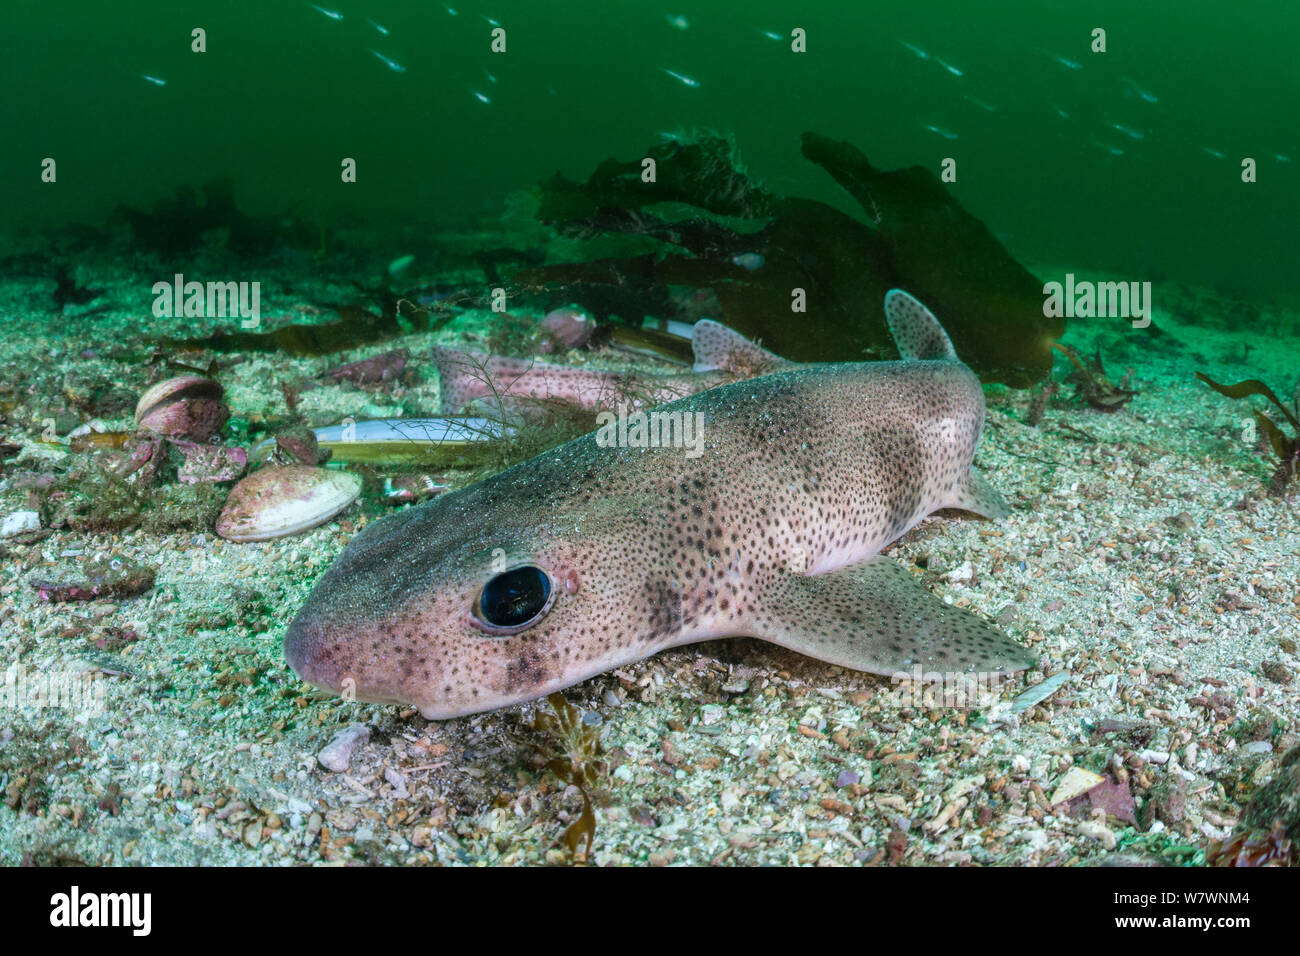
(1076, 782)
(412, 486)
(284, 500)
(189, 407)
(101, 577)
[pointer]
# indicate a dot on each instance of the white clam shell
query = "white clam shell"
(279, 501)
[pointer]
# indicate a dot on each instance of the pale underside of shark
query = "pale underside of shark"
(587, 558)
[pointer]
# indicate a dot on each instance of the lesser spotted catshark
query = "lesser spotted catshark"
(589, 557)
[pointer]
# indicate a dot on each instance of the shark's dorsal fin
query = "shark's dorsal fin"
(917, 333)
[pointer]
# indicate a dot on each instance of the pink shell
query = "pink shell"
(283, 500)
(189, 407)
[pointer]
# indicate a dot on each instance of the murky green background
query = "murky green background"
(284, 92)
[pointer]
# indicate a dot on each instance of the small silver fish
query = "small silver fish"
(1113, 150)
(383, 30)
(986, 107)
(678, 21)
(1128, 131)
(390, 63)
(1068, 64)
(915, 49)
(749, 261)
(940, 131)
(1060, 112)
(1141, 93)
(481, 97)
(949, 67)
(332, 14)
(682, 78)
(155, 80)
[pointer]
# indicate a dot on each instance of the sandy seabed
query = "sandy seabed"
(1143, 560)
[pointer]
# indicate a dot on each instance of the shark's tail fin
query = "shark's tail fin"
(917, 333)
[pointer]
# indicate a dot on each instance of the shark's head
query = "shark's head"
(456, 607)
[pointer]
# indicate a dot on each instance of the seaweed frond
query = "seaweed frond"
(1252, 848)
(1091, 384)
(574, 757)
(1285, 447)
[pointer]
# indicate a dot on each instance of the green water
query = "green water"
(284, 92)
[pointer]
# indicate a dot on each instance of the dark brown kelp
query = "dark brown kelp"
(1285, 448)
(990, 305)
(750, 249)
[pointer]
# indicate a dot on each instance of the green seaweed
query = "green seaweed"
(1285, 448)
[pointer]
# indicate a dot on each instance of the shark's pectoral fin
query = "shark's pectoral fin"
(877, 617)
(978, 496)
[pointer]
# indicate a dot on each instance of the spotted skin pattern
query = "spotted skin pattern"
(722, 355)
(774, 532)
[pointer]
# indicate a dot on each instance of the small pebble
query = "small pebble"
(20, 522)
(337, 755)
(963, 574)
(1099, 832)
(398, 781)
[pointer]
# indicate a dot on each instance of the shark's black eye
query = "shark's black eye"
(514, 600)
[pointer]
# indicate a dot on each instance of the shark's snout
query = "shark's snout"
(335, 659)
(314, 653)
